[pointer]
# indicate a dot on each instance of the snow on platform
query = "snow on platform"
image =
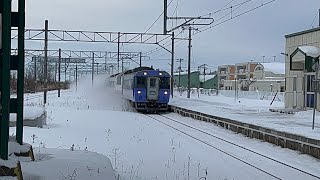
(67, 164)
(252, 111)
(138, 147)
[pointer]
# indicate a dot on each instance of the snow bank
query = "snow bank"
(30, 113)
(11, 163)
(67, 164)
(15, 147)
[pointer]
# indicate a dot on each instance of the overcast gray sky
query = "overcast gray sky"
(249, 37)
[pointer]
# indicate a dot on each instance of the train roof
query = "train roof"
(144, 68)
(138, 69)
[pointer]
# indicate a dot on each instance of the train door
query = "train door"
(152, 88)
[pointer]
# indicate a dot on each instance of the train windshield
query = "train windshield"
(141, 82)
(164, 83)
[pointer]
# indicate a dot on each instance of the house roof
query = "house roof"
(184, 73)
(302, 32)
(310, 51)
(207, 77)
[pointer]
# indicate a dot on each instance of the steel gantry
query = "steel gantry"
(102, 37)
(8, 62)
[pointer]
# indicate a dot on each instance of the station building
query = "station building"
(299, 74)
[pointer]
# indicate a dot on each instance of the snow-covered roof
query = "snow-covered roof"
(275, 67)
(207, 77)
(183, 73)
(311, 51)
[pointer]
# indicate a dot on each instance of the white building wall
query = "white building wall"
(270, 85)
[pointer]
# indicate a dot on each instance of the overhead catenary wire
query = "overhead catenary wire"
(314, 19)
(157, 18)
(235, 7)
(210, 14)
(234, 17)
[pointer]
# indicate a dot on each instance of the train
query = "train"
(147, 89)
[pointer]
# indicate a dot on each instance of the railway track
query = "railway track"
(273, 165)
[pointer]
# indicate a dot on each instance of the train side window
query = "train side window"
(140, 82)
(164, 83)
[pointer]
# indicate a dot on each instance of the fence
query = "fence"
(262, 95)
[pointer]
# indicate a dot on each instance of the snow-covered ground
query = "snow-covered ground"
(95, 119)
(252, 111)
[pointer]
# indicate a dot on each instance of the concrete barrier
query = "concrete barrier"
(286, 140)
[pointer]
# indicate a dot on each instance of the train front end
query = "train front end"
(152, 90)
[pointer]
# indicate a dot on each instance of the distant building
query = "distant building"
(254, 76)
(299, 73)
(197, 80)
(225, 72)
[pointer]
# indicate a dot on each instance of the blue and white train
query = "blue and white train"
(147, 89)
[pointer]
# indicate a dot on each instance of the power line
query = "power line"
(226, 8)
(234, 17)
(314, 19)
(210, 14)
(157, 18)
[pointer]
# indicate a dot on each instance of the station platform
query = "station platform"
(254, 119)
(255, 112)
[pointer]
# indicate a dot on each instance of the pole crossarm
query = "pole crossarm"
(189, 21)
(92, 36)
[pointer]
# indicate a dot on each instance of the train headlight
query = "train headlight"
(145, 73)
(166, 92)
(160, 74)
(139, 92)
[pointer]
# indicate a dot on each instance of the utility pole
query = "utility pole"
(140, 58)
(189, 61)
(76, 76)
(92, 68)
(204, 73)
(45, 61)
(121, 64)
(179, 80)
(188, 21)
(65, 69)
(59, 73)
(274, 58)
(118, 52)
(172, 63)
(35, 73)
(55, 71)
(235, 89)
(263, 58)
(97, 68)
(105, 63)
(165, 16)
(315, 101)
